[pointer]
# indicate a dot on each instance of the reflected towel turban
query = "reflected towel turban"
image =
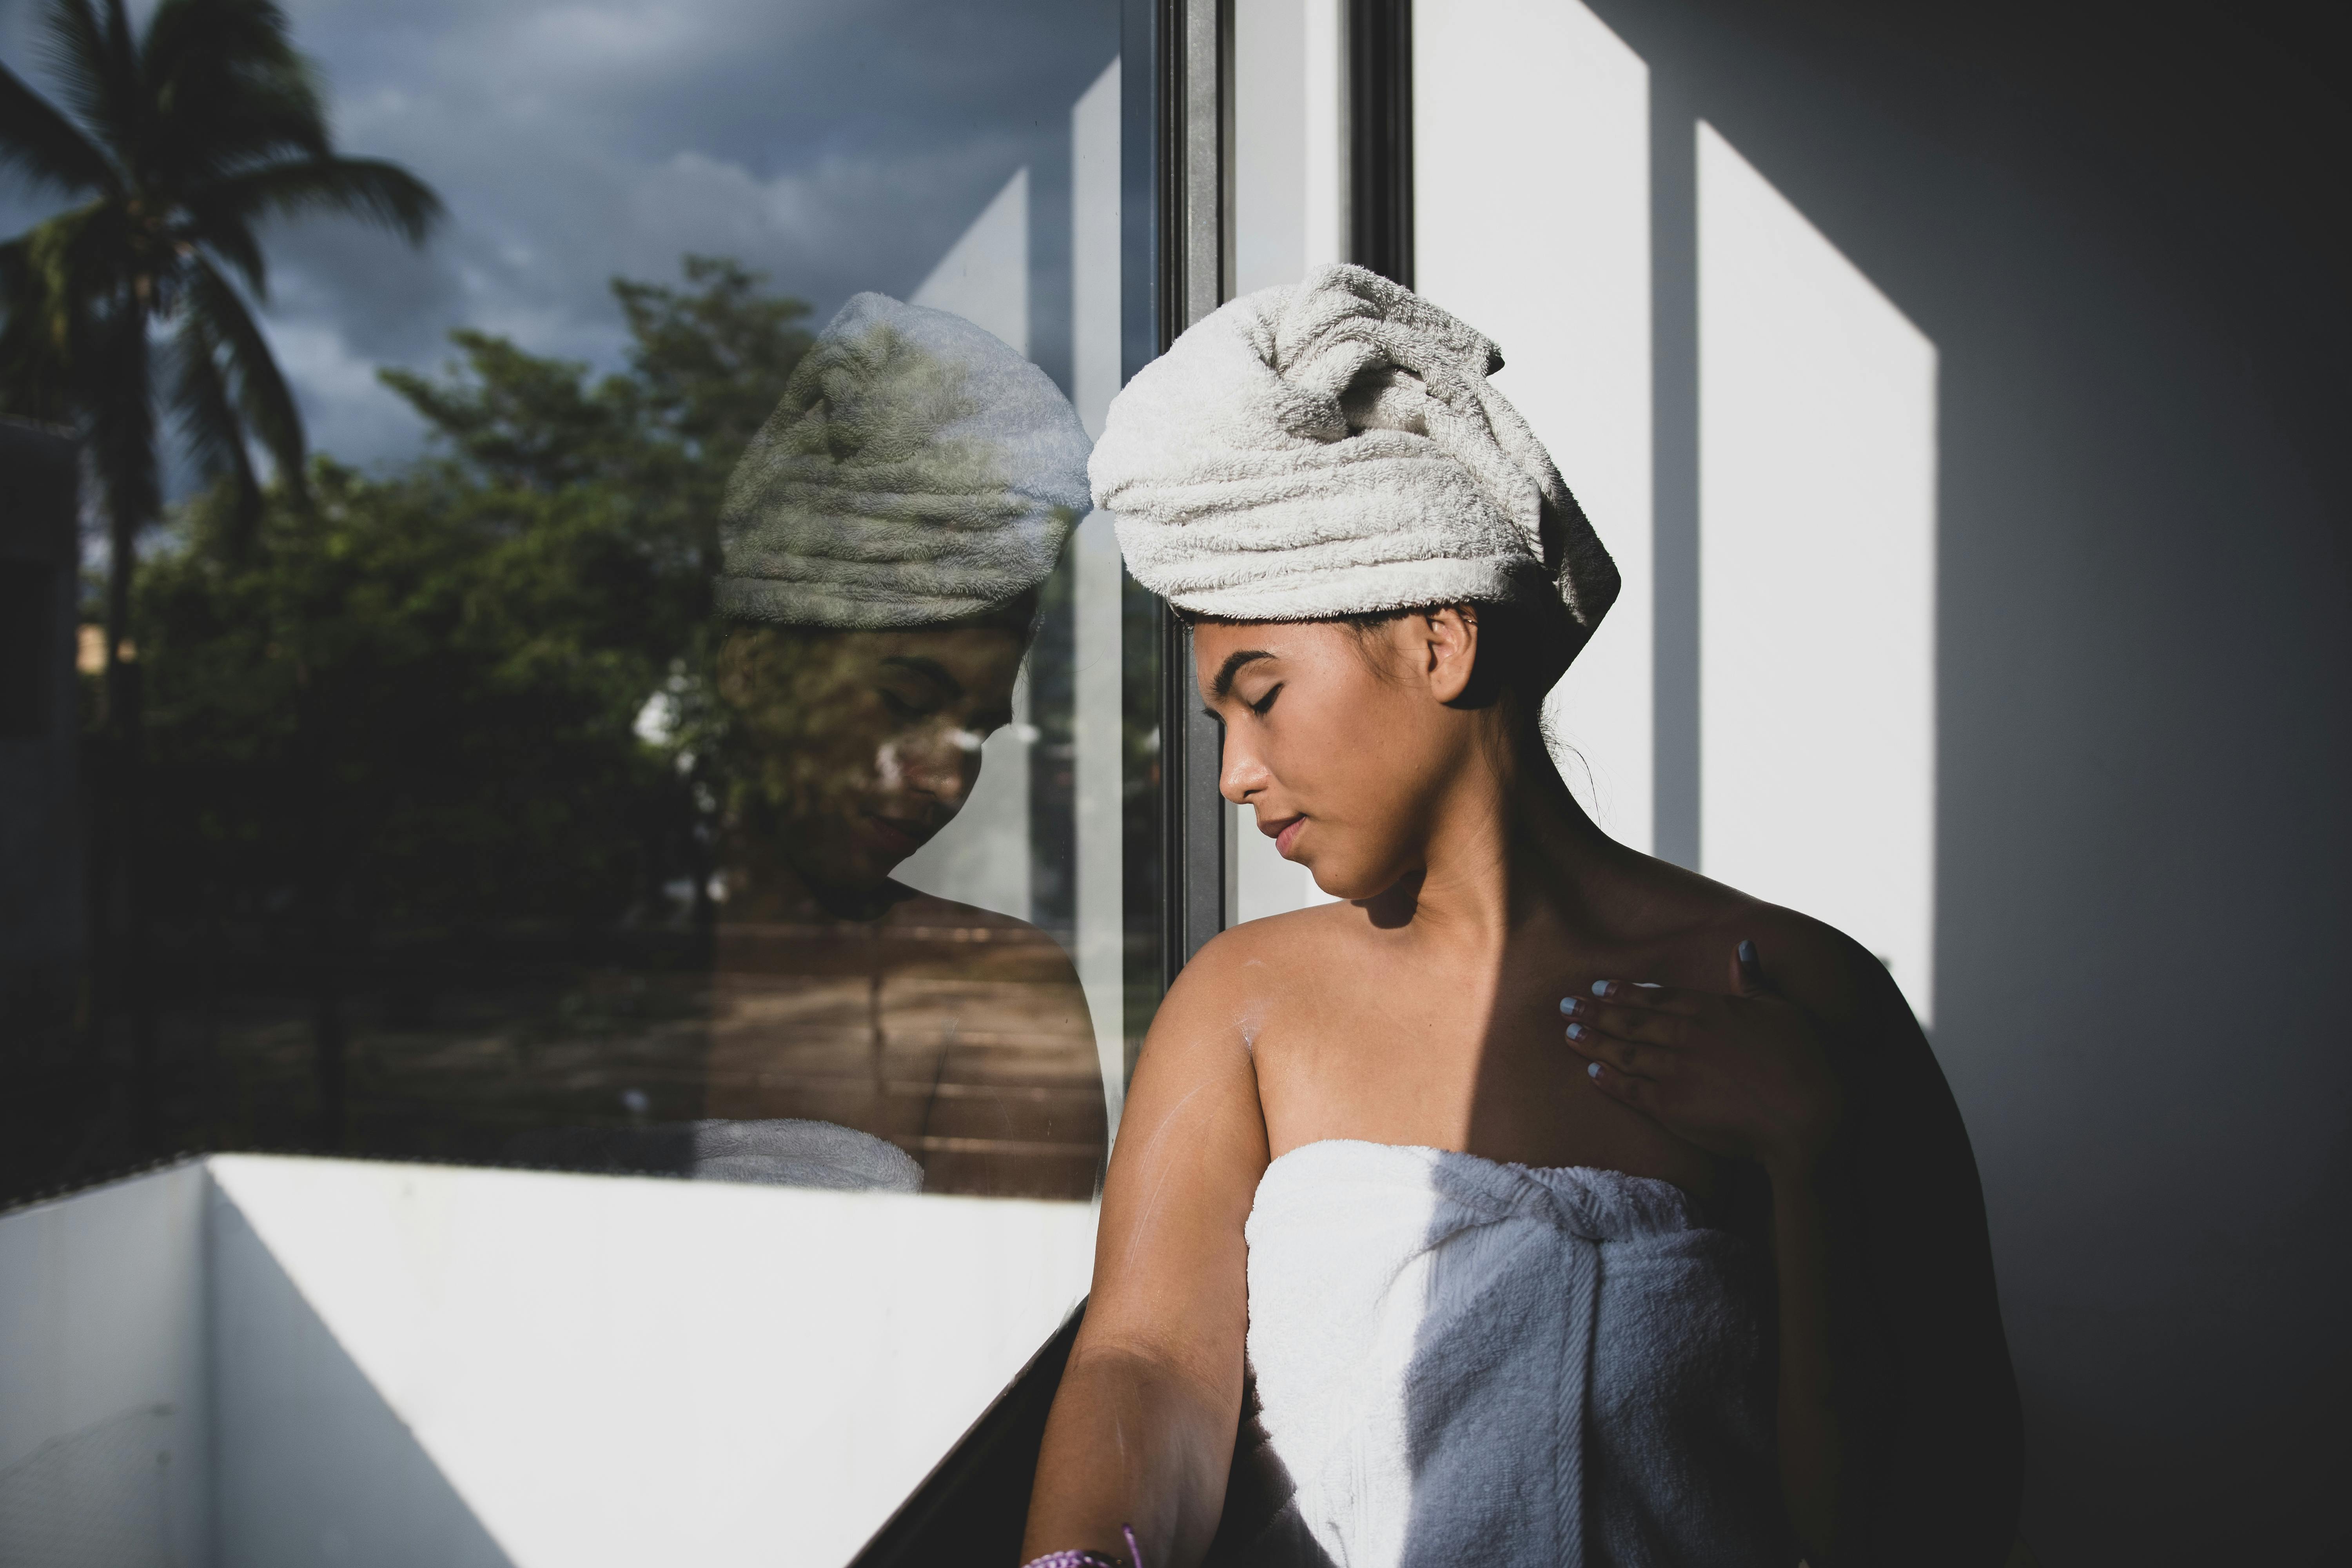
(916, 470)
(1333, 448)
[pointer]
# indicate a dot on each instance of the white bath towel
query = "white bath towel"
(1464, 1363)
(916, 470)
(1335, 447)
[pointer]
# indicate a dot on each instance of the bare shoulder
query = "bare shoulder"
(1252, 964)
(1809, 961)
(1828, 973)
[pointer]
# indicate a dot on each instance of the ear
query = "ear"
(1449, 649)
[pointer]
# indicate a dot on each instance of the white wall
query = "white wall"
(2018, 430)
(982, 857)
(413, 1364)
(1817, 577)
(1531, 190)
(104, 1422)
(617, 1371)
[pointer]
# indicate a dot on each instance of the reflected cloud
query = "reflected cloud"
(577, 140)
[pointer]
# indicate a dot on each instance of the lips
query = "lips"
(897, 835)
(1287, 834)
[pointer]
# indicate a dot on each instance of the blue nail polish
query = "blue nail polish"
(1592, 1071)
(1600, 987)
(1576, 1031)
(1746, 951)
(1570, 1005)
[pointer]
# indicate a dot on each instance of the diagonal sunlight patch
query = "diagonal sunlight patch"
(1817, 576)
(1545, 248)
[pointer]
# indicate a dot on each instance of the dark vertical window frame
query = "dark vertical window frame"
(1149, 122)
(1191, 282)
(1380, 136)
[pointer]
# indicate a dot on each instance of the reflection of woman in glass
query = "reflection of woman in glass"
(885, 537)
(1704, 1281)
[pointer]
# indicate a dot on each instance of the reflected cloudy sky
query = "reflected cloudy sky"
(836, 145)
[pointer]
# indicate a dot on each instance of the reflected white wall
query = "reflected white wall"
(982, 857)
(1531, 190)
(984, 276)
(1096, 692)
(1094, 250)
(1817, 550)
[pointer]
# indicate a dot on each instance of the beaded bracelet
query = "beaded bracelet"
(1091, 1558)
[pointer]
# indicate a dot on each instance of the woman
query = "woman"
(1567, 1208)
(885, 540)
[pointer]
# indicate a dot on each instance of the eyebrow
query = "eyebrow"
(1222, 687)
(929, 670)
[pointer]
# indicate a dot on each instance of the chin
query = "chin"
(1345, 883)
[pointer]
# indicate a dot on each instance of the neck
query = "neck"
(766, 884)
(1511, 848)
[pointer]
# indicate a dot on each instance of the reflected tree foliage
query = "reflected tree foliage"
(483, 828)
(406, 713)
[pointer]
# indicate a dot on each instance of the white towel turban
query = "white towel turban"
(917, 470)
(1335, 448)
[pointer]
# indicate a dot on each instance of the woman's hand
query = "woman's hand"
(1745, 1076)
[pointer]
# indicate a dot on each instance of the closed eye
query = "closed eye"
(1264, 704)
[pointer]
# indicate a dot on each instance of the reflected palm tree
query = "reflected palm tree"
(127, 304)
(179, 143)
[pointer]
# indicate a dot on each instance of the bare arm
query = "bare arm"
(1143, 1429)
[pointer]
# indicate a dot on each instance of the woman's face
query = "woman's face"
(1341, 741)
(856, 747)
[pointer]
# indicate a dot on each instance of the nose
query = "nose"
(1241, 772)
(942, 761)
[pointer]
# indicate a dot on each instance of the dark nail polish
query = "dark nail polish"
(1746, 951)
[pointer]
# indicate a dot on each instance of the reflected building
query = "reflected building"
(885, 538)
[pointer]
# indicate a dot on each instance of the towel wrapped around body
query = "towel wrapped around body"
(1459, 1362)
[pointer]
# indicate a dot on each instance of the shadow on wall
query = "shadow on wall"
(313, 1427)
(2104, 224)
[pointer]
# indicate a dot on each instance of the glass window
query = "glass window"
(675, 719)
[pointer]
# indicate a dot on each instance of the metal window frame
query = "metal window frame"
(1176, 65)
(1380, 136)
(1178, 69)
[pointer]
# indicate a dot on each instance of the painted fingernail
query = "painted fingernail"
(1602, 987)
(1747, 951)
(1576, 1031)
(1571, 1005)
(1592, 1071)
